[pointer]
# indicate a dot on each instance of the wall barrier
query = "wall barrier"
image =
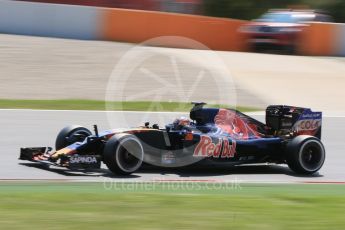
(51, 20)
(318, 39)
(138, 26)
(339, 48)
(83, 22)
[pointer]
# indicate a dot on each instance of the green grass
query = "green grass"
(170, 206)
(75, 104)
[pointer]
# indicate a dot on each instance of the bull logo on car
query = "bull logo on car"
(238, 128)
(223, 148)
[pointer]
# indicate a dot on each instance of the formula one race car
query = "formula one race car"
(290, 136)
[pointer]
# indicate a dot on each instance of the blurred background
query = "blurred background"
(93, 36)
(244, 9)
(284, 26)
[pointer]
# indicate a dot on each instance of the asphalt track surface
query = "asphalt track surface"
(24, 128)
(50, 68)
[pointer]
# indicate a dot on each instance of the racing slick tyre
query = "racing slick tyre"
(305, 154)
(123, 154)
(71, 134)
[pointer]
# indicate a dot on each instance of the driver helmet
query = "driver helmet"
(181, 122)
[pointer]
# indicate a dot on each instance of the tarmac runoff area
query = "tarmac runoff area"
(49, 68)
(24, 128)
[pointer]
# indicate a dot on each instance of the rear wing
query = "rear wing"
(297, 120)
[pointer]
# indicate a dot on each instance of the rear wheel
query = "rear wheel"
(305, 154)
(123, 154)
(70, 135)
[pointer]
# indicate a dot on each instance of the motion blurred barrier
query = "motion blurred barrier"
(51, 20)
(339, 45)
(138, 26)
(96, 23)
(82, 22)
(318, 39)
(323, 39)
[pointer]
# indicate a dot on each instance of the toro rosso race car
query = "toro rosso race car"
(290, 136)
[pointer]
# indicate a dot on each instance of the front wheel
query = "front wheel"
(123, 154)
(305, 154)
(71, 134)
